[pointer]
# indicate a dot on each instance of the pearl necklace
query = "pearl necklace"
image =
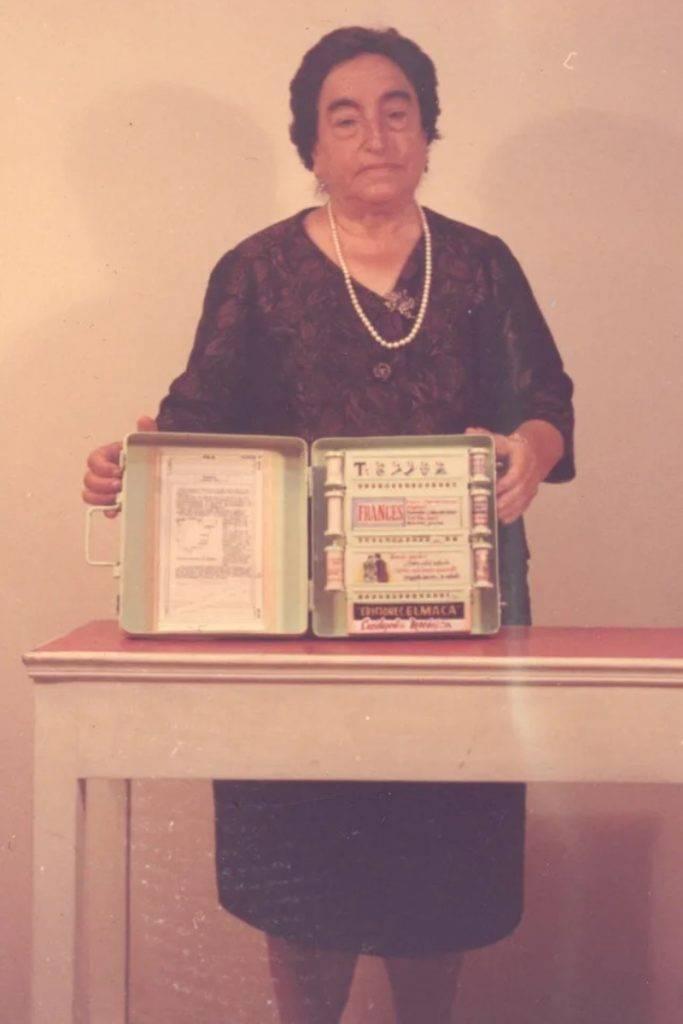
(354, 298)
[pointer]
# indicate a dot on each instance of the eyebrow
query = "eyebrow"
(393, 94)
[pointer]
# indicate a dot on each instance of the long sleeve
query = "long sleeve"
(212, 395)
(521, 367)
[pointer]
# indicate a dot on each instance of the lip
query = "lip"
(380, 167)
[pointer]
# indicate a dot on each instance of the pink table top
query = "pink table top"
(516, 642)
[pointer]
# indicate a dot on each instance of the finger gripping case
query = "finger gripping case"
(367, 536)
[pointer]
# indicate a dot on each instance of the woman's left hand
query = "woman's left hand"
(518, 486)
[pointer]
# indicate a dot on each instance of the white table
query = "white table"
(539, 704)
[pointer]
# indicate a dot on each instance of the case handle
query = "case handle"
(88, 525)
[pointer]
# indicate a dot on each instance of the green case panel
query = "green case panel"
(329, 613)
(288, 508)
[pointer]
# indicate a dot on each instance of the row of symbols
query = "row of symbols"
(402, 484)
(415, 539)
(383, 596)
(398, 468)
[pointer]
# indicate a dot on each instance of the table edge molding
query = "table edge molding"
(75, 666)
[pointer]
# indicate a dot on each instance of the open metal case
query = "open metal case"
(326, 519)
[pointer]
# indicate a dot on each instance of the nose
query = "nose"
(375, 138)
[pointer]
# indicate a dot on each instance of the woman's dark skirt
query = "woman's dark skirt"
(390, 869)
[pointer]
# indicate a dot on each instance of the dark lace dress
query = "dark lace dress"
(393, 869)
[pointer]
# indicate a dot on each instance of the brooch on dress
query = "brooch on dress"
(399, 301)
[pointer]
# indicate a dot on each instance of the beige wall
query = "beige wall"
(147, 138)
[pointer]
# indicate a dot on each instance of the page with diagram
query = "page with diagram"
(211, 552)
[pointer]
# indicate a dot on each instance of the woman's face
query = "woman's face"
(371, 149)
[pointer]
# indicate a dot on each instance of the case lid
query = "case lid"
(215, 535)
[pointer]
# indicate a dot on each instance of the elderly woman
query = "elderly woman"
(370, 315)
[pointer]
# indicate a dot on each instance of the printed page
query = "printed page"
(408, 560)
(210, 540)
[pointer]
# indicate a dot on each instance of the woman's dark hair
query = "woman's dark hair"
(344, 44)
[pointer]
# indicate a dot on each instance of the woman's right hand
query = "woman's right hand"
(102, 480)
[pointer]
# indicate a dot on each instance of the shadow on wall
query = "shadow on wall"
(582, 952)
(168, 175)
(601, 210)
(600, 186)
(167, 180)
(604, 209)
